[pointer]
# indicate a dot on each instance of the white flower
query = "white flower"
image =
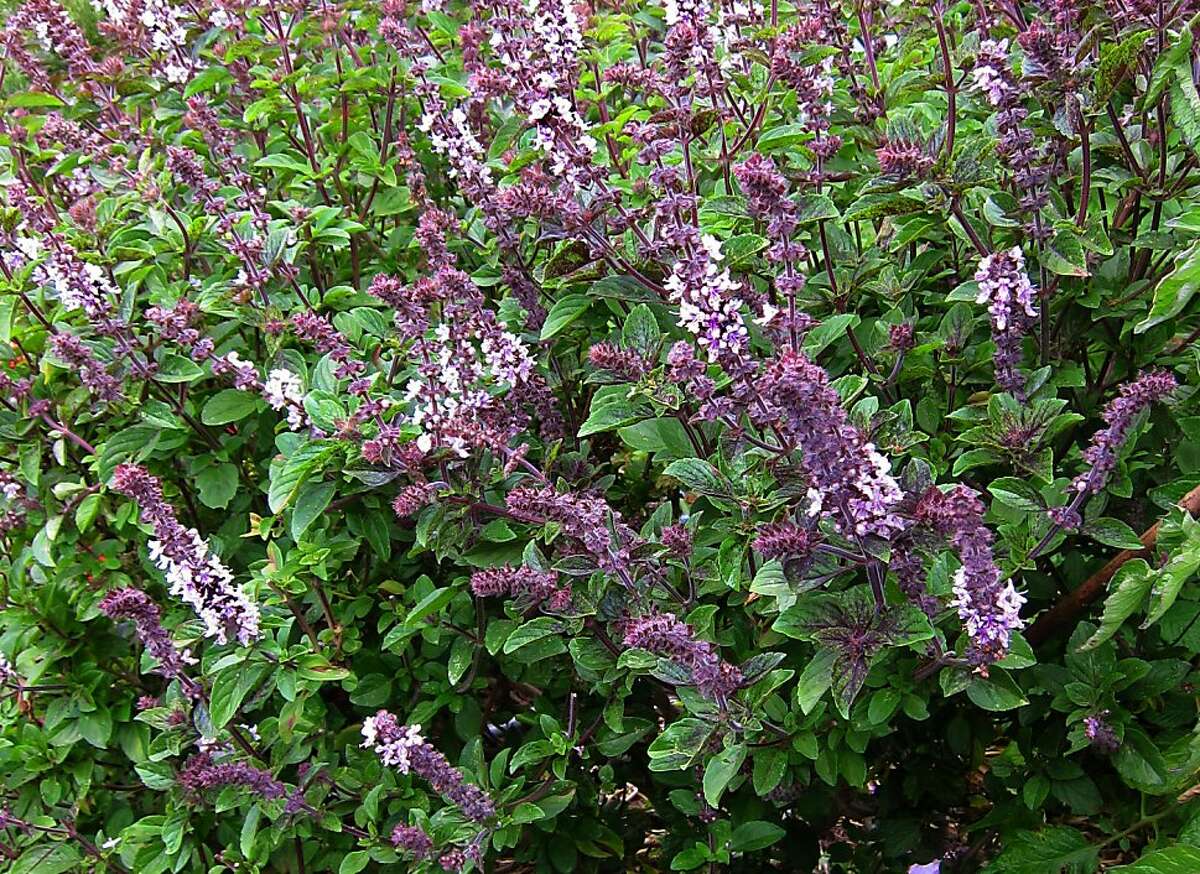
(1004, 286)
(283, 389)
(816, 501)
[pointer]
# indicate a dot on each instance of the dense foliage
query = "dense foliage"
(526, 436)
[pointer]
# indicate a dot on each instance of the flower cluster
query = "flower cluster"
(666, 636)
(993, 76)
(1005, 287)
(403, 748)
(283, 390)
(1100, 457)
(412, 498)
(136, 605)
(194, 573)
(709, 305)
(412, 840)
(461, 358)
(201, 772)
(904, 158)
(625, 364)
(766, 189)
(988, 605)
(80, 285)
(849, 476)
(991, 73)
(813, 83)
(1100, 735)
(586, 519)
(318, 330)
(154, 27)
(677, 539)
(92, 373)
(784, 540)
(522, 582)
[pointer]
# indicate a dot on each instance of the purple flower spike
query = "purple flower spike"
(538, 586)
(403, 748)
(784, 540)
(587, 519)
(195, 574)
(1100, 734)
(201, 773)
(137, 606)
(412, 840)
(1006, 289)
(666, 636)
(850, 478)
(988, 605)
(1132, 398)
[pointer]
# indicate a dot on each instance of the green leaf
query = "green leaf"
(973, 458)
(781, 137)
(721, 769)
(86, 512)
(1035, 791)
(1016, 493)
(699, 476)
(996, 692)
(1167, 66)
(207, 80)
(32, 100)
(680, 745)
(216, 485)
(742, 247)
(665, 436)
(531, 631)
(1167, 585)
(999, 208)
(873, 206)
(1112, 532)
(249, 831)
(1127, 592)
(311, 502)
(883, 704)
(1064, 255)
(136, 442)
(815, 207)
(564, 312)
(1048, 851)
(756, 835)
(316, 667)
(691, 858)
(295, 471)
(769, 767)
(816, 679)
(430, 604)
(228, 405)
(281, 161)
(1180, 859)
(1174, 291)
(615, 414)
(1115, 61)
(1140, 762)
(354, 862)
(176, 368)
(830, 330)
(1185, 104)
(230, 689)
(640, 331)
(48, 858)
